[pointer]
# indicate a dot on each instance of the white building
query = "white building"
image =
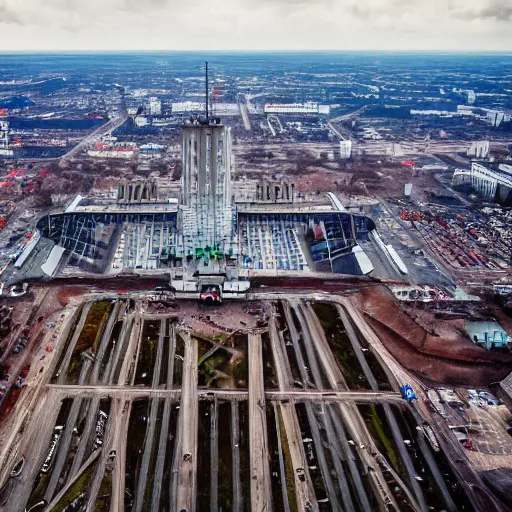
(296, 108)
(479, 149)
(141, 121)
(225, 109)
(183, 107)
(495, 118)
(155, 106)
(4, 139)
(345, 149)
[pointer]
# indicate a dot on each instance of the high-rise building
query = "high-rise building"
(155, 106)
(4, 139)
(206, 211)
(345, 149)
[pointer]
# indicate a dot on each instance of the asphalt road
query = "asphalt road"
(261, 488)
(342, 443)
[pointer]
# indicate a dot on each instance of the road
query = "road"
(261, 489)
(62, 371)
(235, 448)
(351, 470)
(108, 127)
(164, 432)
(119, 441)
(281, 361)
(188, 420)
(242, 104)
(304, 490)
(152, 424)
(317, 420)
(348, 413)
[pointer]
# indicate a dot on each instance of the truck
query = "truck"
(47, 464)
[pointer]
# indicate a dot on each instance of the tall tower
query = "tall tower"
(206, 211)
(4, 139)
(206, 186)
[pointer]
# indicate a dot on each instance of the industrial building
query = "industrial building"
(137, 191)
(208, 228)
(186, 107)
(490, 183)
(488, 334)
(205, 230)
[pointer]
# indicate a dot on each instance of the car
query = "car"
(210, 298)
(163, 287)
(18, 289)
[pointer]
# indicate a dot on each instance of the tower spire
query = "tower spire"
(206, 86)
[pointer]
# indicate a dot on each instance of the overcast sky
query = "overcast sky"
(479, 25)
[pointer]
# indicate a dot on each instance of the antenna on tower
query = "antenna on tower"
(206, 102)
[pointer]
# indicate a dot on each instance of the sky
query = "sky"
(397, 25)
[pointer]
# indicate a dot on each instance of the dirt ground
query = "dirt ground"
(440, 354)
(214, 320)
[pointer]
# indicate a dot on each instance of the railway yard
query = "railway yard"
(289, 402)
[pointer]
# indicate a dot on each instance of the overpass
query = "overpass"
(489, 183)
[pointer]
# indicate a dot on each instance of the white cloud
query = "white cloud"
(249, 24)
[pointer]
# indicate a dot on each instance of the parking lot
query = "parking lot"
(476, 417)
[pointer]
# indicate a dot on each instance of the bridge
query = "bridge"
(489, 183)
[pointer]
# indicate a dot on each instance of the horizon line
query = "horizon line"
(251, 50)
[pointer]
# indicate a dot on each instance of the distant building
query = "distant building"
(225, 109)
(183, 107)
(137, 191)
(4, 139)
(141, 121)
(155, 106)
(345, 149)
(125, 151)
(275, 191)
(488, 334)
(430, 163)
(296, 108)
(479, 149)
(151, 147)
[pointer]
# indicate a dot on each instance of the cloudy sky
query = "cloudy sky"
(479, 25)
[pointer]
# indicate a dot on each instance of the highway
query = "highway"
(164, 432)
(244, 111)
(261, 489)
(307, 437)
(187, 447)
(330, 419)
(315, 417)
(94, 136)
(304, 490)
